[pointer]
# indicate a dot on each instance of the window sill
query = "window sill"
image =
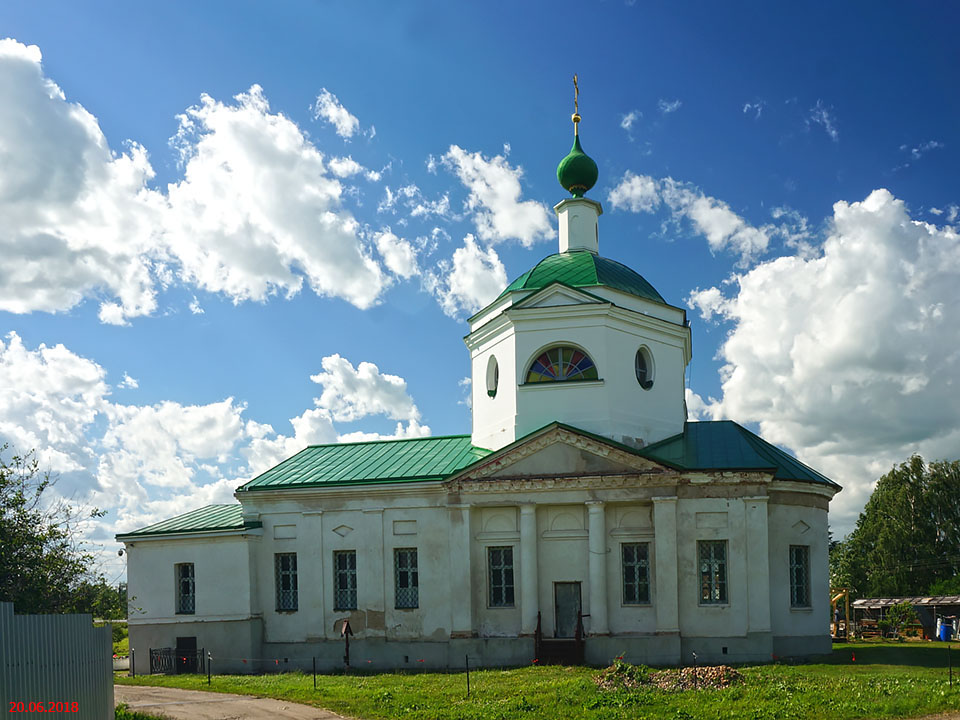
(286, 612)
(807, 609)
(714, 605)
(561, 383)
(501, 607)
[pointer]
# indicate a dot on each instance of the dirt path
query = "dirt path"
(180, 704)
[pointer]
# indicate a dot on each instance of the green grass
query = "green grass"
(122, 712)
(122, 647)
(886, 681)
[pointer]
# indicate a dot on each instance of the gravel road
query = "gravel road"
(198, 705)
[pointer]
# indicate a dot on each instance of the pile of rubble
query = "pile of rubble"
(630, 677)
(691, 678)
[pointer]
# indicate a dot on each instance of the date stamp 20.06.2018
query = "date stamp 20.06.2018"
(52, 706)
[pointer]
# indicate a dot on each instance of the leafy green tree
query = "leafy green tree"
(908, 535)
(899, 615)
(43, 566)
(947, 586)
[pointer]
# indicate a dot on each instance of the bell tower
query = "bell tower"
(579, 338)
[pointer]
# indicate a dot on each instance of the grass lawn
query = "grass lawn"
(886, 680)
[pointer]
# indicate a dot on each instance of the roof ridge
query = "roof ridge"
(389, 440)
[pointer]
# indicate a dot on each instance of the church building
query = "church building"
(583, 518)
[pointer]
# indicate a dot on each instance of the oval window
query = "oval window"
(493, 376)
(644, 367)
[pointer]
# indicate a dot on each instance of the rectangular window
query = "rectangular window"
(713, 571)
(345, 580)
(800, 576)
(500, 563)
(636, 573)
(186, 589)
(406, 580)
(285, 570)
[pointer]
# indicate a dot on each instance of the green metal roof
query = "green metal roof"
(364, 463)
(725, 445)
(582, 268)
(205, 519)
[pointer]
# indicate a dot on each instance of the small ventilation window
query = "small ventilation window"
(644, 367)
(493, 376)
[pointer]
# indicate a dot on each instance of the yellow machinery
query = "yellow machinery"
(836, 629)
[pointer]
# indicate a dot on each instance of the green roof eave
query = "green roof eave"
(346, 483)
(379, 462)
(207, 519)
(726, 446)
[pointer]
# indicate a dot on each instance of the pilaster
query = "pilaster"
(529, 585)
(371, 581)
(461, 583)
(598, 567)
(758, 564)
(665, 564)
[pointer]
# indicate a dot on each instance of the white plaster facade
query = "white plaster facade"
(565, 490)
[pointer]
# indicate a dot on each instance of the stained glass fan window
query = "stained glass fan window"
(562, 363)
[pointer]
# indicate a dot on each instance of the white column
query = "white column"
(529, 585)
(598, 568)
(461, 585)
(758, 565)
(665, 568)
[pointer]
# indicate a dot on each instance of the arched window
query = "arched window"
(644, 367)
(560, 364)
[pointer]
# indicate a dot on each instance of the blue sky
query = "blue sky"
(316, 208)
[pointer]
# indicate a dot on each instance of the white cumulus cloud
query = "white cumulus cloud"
(257, 213)
(398, 254)
(328, 108)
(76, 219)
(473, 279)
(494, 198)
(849, 356)
(713, 218)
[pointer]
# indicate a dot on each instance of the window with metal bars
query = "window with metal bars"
(800, 576)
(713, 571)
(285, 570)
(635, 559)
(186, 589)
(406, 578)
(345, 580)
(500, 566)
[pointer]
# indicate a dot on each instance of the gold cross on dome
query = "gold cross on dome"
(576, 106)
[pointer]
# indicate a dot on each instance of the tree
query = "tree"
(907, 537)
(897, 616)
(43, 566)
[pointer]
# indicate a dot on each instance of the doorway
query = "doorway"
(566, 598)
(186, 655)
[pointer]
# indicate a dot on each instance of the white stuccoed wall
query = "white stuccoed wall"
(614, 406)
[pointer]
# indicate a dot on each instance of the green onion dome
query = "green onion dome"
(577, 172)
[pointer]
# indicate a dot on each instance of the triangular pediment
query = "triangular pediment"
(559, 294)
(559, 451)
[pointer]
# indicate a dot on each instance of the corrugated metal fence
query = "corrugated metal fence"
(59, 661)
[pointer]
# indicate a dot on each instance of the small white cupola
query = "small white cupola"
(579, 224)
